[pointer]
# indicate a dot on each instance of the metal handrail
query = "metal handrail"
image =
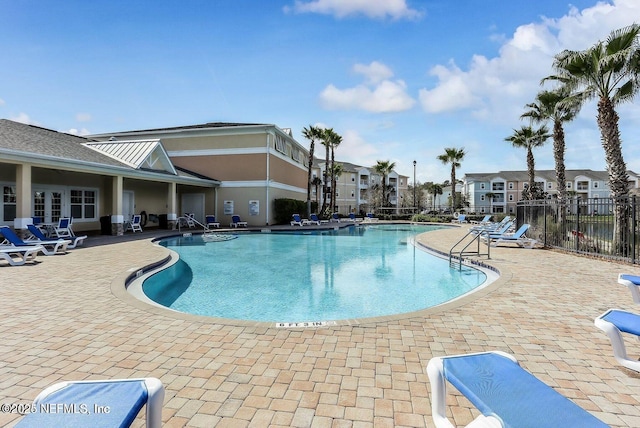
(475, 238)
(205, 228)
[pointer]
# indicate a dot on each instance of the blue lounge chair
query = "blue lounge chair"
(632, 282)
(135, 224)
(103, 403)
(505, 394)
(211, 221)
(63, 229)
(516, 238)
(352, 217)
(614, 322)
(37, 237)
(17, 256)
(461, 218)
(335, 218)
(370, 217)
(48, 248)
(313, 219)
(485, 220)
(297, 221)
(492, 226)
(236, 222)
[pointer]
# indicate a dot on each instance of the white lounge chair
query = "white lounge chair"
(37, 237)
(63, 229)
(211, 221)
(461, 218)
(48, 247)
(492, 226)
(370, 217)
(134, 225)
(101, 403)
(632, 282)
(313, 219)
(297, 221)
(503, 392)
(237, 222)
(17, 256)
(517, 237)
(614, 322)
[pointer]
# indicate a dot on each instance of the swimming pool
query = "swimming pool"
(354, 272)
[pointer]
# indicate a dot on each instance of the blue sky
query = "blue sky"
(400, 80)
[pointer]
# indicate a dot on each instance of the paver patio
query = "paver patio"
(60, 320)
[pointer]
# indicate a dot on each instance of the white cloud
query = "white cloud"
(497, 88)
(23, 118)
(83, 117)
(80, 132)
(1, 102)
(375, 9)
(378, 94)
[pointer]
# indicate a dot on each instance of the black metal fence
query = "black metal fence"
(586, 226)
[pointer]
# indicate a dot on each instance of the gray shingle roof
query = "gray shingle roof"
(31, 139)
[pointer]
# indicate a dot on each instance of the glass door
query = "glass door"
(47, 205)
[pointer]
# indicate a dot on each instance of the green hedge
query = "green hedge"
(284, 208)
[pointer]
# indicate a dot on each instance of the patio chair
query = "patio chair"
(614, 322)
(352, 217)
(485, 220)
(297, 221)
(97, 403)
(492, 226)
(48, 247)
(370, 217)
(461, 218)
(211, 221)
(335, 218)
(17, 256)
(503, 392)
(134, 225)
(189, 219)
(313, 219)
(63, 229)
(237, 222)
(632, 282)
(38, 237)
(517, 237)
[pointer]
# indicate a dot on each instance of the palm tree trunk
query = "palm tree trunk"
(453, 186)
(332, 202)
(531, 166)
(618, 177)
(561, 180)
(325, 188)
(311, 150)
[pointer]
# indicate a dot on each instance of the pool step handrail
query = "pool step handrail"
(205, 228)
(459, 254)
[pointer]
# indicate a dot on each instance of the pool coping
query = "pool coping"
(133, 278)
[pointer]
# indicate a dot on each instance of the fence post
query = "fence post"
(544, 213)
(633, 230)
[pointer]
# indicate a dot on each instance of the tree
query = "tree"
(327, 135)
(384, 168)
(452, 156)
(336, 139)
(317, 182)
(436, 190)
(528, 138)
(336, 171)
(312, 133)
(556, 107)
(608, 72)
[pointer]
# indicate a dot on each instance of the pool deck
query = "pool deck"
(60, 320)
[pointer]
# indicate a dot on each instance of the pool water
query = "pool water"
(356, 272)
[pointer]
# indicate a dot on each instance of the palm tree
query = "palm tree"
(336, 172)
(327, 135)
(608, 72)
(436, 190)
(555, 106)
(454, 157)
(528, 138)
(336, 139)
(317, 182)
(312, 133)
(384, 168)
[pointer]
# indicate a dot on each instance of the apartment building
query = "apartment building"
(499, 192)
(355, 187)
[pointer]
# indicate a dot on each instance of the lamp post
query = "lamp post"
(414, 185)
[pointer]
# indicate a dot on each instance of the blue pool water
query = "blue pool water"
(356, 272)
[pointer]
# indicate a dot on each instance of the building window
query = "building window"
(353, 178)
(353, 193)
(482, 197)
(8, 203)
(482, 186)
(595, 184)
(83, 204)
(510, 198)
(568, 185)
(549, 185)
(510, 186)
